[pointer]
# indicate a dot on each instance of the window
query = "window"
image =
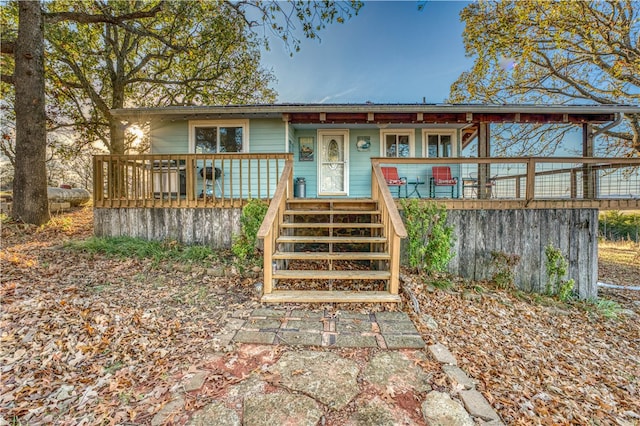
(210, 137)
(439, 144)
(397, 143)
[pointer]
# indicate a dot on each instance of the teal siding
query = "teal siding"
(268, 135)
(360, 162)
(170, 137)
(306, 169)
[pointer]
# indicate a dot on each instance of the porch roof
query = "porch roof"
(388, 113)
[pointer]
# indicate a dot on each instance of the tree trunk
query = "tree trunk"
(30, 202)
(116, 135)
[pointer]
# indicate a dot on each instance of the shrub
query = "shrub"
(245, 244)
(503, 265)
(556, 266)
(430, 239)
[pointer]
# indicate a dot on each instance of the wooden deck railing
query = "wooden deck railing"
(392, 222)
(185, 180)
(270, 229)
(526, 182)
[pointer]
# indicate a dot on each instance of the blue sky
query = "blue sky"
(390, 53)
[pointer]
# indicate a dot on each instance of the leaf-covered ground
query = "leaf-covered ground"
(89, 339)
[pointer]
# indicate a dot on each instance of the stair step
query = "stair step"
(330, 212)
(297, 296)
(330, 225)
(327, 204)
(331, 256)
(305, 274)
(327, 239)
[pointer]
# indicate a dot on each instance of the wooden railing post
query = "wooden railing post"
(531, 180)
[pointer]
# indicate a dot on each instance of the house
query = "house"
(333, 175)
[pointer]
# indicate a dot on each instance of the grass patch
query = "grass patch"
(619, 252)
(126, 247)
(604, 307)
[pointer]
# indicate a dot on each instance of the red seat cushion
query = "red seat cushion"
(446, 181)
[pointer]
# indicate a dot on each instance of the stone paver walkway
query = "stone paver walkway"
(259, 384)
(385, 330)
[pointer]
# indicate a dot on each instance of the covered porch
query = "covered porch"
(169, 197)
(186, 181)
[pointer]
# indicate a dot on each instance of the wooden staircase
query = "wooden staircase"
(331, 250)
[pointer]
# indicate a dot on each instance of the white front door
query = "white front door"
(333, 173)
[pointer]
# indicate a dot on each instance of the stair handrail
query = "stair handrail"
(270, 227)
(392, 222)
(378, 181)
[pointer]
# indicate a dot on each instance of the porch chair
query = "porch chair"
(210, 175)
(441, 176)
(391, 176)
(473, 184)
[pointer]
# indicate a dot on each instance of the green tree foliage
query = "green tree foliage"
(139, 53)
(616, 226)
(189, 53)
(536, 52)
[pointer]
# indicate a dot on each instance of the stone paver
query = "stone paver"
(280, 409)
(392, 368)
(477, 405)
(355, 341)
(458, 376)
(439, 409)
(387, 330)
(262, 324)
(375, 413)
(441, 354)
(325, 376)
(304, 325)
(195, 382)
(215, 413)
(395, 341)
(353, 326)
(261, 337)
(299, 338)
(397, 327)
(268, 312)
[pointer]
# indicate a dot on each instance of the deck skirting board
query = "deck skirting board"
(526, 233)
(212, 227)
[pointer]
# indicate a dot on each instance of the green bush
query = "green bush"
(245, 244)
(556, 266)
(430, 239)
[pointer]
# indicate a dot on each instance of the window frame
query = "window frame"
(244, 124)
(398, 132)
(440, 132)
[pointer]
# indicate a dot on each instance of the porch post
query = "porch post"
(484, 151)
(588, 173)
